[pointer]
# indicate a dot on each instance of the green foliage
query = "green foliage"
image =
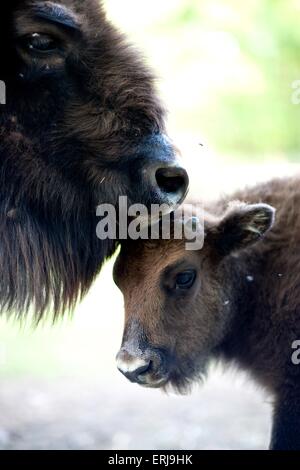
(255, 46)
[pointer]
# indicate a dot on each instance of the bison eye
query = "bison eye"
(186, 279)
(42, 43)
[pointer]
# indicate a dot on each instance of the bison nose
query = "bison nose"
(158, 173)
(173, 182)
(132, 367)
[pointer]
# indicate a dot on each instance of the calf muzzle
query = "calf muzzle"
(145, 368)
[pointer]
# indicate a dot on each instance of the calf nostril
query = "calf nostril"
(136, 374)
(173, 181)
(132, 367)
(143, 369)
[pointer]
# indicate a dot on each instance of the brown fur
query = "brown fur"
(82, 125)
(244, 307)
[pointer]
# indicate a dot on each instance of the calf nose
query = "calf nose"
(131, 366)
(172, 181)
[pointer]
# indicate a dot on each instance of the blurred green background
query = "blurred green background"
(225, 71)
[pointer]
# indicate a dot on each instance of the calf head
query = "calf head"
(178, 303)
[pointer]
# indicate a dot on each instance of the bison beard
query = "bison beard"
(80, 118)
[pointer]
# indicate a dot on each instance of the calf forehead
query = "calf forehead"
(142, 261)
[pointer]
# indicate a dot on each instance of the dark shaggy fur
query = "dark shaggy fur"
(81, 124)
(242, 306)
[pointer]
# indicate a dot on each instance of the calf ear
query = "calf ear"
(242, 225)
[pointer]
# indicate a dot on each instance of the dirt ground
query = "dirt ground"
(223, 414)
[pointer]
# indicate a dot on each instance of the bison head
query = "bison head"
(82, 125)
(81, 107)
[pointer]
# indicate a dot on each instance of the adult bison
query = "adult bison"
(82, 125)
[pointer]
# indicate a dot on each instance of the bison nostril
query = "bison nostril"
(173, 181)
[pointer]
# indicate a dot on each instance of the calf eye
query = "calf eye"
(42, 43)
(186, 279)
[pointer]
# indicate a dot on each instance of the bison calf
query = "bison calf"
(236, 300)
